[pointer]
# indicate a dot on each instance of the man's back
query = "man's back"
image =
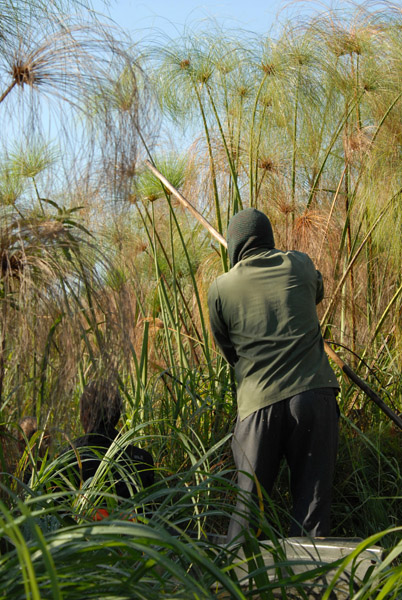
(265, 306)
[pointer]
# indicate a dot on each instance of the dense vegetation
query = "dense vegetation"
(103, 275)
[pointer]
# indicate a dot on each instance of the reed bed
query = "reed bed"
(102, 274)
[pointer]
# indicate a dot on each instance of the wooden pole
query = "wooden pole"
(330, 352)
(187, 205)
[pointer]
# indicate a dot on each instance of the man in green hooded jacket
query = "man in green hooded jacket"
(263, 318)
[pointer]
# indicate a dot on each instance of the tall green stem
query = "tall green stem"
(237, 201)
(253, 192)
(213, 173)
(294, 146)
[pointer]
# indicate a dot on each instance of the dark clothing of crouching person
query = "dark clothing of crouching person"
(131, 467)
(263, 318)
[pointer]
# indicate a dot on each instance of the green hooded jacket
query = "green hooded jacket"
(263, 317)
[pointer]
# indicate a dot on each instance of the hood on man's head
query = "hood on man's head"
(248, 229)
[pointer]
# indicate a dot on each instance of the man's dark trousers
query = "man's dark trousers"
(304, 430)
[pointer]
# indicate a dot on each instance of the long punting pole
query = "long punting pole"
(333, 355)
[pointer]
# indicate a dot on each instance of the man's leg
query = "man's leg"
(257, 450)
(312, 444)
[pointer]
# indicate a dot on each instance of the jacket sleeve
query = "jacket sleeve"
(219, 328)
(320, 288)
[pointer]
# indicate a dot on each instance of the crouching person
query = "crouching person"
(102, 463)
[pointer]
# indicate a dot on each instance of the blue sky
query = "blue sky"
(171, 15)
(144, 19)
